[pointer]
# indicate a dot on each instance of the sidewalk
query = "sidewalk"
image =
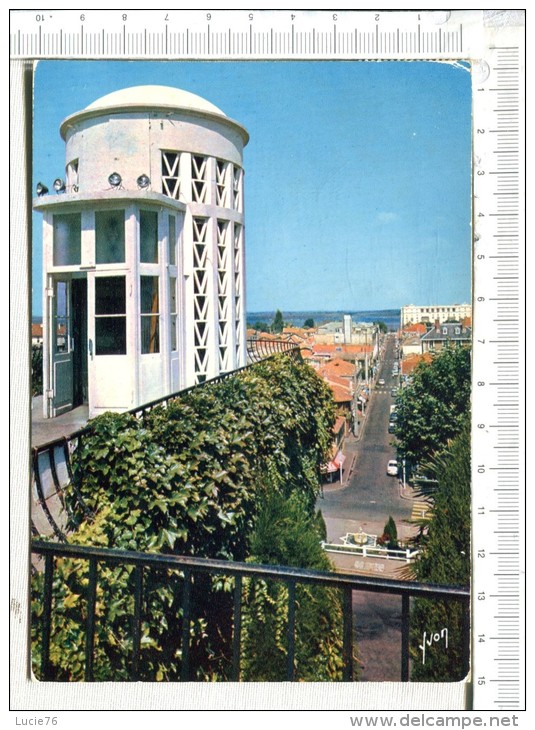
(50, 429)
(350, 453)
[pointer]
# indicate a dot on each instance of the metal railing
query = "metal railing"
(190, 566)
(260, 349)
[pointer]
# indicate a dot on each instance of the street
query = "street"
(364, 502)
(369, 496)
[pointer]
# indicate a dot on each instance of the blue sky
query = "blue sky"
(358, 174)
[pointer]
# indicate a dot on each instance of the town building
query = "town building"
(37, 334)
(346, 332)
(411, 314)
(143, 251)
(446, 334)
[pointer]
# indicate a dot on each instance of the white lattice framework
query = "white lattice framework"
(201, 298)
(171, 174)
(238, 288)
(199, 179)
(223, 295)
(221, 183)
(237, 188)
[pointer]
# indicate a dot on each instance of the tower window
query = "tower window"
(109, 237)
(110, 315)
(72, 177)
(148, 237)
(150, 315)
(172, 240)
(67, 239)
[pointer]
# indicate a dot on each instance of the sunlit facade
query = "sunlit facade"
(143, 251)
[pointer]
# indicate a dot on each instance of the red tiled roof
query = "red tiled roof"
(336, 380)
(341, 395)
(339, 367)
(37, 330)
(296, 331)
(341, 350)
(411, 361)
(417, 328)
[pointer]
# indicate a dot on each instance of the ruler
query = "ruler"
(498, 384)
(494, 41)
(232, 34)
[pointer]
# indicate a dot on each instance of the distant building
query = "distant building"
(37, 334)
(143, 251)
(445, 334)
(412, 314)
(346, 332)
(411, 345)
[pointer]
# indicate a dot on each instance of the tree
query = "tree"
(278, 323)
(444, 542)
(389, 538)
(288, 533)
(381, 326)
(309, 323)
(261, 327)
(433, 407)
(37, 369)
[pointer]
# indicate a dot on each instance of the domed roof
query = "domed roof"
(154, 96)
(140, 98)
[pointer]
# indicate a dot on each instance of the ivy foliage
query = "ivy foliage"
(432, 408)
(194, 478)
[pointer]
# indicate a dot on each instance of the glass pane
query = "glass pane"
(67, 239)
(61, 335)
(109, 236)
(110, 295)
(174, 343)
(149, 295)
(110, 336)
(172, 294)
(61, 299)
(150, 334)
(172, 240)
(148, 233)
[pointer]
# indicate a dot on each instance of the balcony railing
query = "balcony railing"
(188, 567)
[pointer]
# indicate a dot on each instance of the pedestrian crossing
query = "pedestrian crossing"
(420, 511)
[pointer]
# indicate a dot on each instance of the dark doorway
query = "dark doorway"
(79, 333)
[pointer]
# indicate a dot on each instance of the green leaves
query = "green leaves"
(432, 407)
(192, 478)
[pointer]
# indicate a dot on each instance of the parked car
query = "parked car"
(391, 427)
(381, 381)
(392, 468)
(394, 392)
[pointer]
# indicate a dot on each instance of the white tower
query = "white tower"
(143, 251)
(348, 326)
